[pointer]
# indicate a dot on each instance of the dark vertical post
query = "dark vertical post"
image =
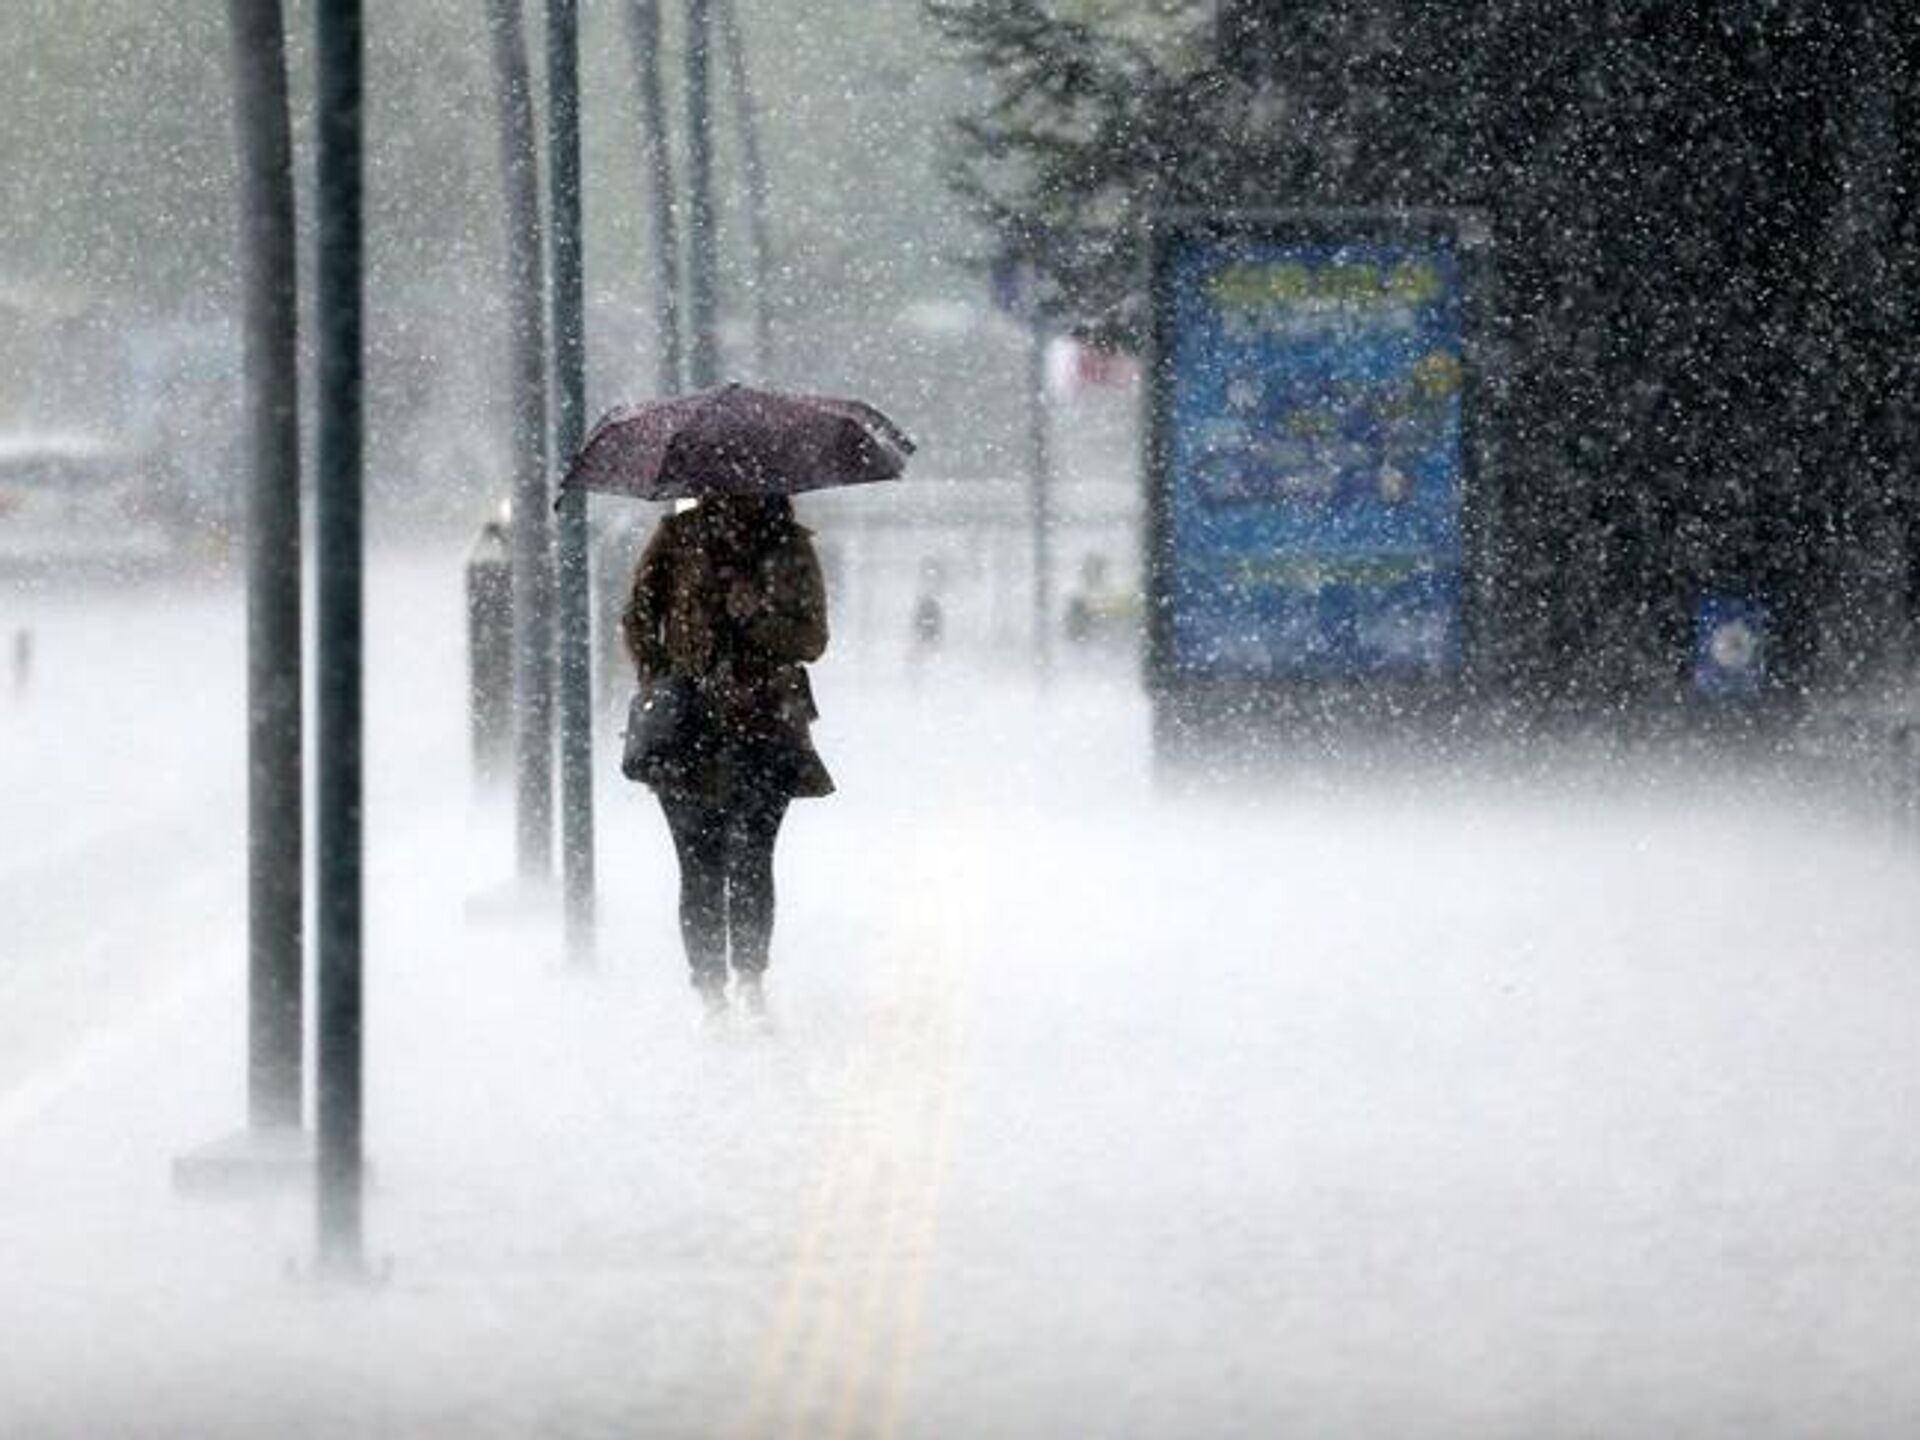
(704, 367)
(532, 546)
(569, 423)
(644, 30)
(275, 806)
(341, 431)
(490, 653)
(1157, 435)
(1040, 465)
(746, 116)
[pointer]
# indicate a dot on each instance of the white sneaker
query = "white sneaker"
(713, 1010)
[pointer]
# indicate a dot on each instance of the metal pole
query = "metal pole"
(644, 18)
(341, 432)
(746, 116)
(704, 369)
(1040, 462)
(569, 425)
(275, 776)
(532, 544)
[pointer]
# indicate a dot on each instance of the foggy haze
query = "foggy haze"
(1371, 889)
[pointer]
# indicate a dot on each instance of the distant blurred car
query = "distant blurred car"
(70, 501)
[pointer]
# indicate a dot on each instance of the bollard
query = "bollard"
(22, 660)
(490, 653)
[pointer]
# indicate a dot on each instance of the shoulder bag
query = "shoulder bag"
(662, 729)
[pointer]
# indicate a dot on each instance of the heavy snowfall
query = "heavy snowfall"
(1191, 1015)
(1439, 1100)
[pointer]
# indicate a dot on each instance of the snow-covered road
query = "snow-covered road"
(1429, 1104)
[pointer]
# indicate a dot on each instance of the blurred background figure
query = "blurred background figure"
(929, 621)
(21, 662)
(1098, 611)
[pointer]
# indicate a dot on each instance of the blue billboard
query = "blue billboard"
(1309, 453)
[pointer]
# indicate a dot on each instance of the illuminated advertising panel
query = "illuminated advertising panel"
(1309, 453)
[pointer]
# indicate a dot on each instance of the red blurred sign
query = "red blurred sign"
(1075, 367)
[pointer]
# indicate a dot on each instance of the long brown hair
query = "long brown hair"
(747, 523)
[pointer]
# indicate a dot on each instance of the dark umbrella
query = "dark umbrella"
(736, 440)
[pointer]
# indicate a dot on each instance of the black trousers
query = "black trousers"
(726, 880)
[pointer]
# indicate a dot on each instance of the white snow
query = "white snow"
(1427, 1103)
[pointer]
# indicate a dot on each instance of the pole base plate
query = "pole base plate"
(269, 1161)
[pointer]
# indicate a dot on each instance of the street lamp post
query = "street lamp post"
(644, 31)
(1040, 473)
(532, 558)
(704, 366)
(753, 164)
(569, 422)
(275, 771)
(338, 485)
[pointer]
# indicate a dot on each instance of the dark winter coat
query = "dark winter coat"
(739, 616)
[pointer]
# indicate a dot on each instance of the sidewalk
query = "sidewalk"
(1420, 1105)
(596, 1217)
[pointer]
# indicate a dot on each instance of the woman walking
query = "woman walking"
(727, 598)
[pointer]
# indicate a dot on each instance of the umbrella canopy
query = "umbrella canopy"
(737, 440)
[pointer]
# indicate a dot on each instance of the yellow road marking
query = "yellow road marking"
(838, 1357)
(801, 1280)
(907, 1339)
(825, 1340)
(911, 1202)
